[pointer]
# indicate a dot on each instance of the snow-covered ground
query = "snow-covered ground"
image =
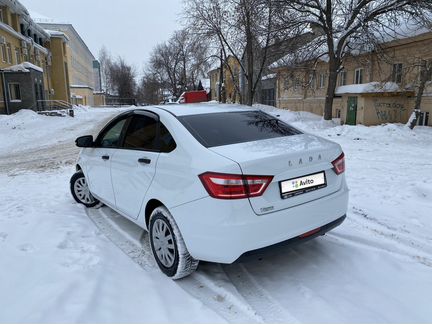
(62, 263)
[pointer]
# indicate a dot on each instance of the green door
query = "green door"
(351, 118)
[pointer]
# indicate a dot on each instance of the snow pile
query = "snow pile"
(26, 129)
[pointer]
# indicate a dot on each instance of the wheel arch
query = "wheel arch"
(151, 205)
(78, 168)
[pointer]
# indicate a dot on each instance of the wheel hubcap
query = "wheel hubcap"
(163, 243)
(82, 191)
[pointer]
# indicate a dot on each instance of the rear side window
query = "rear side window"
(166, 141)
(220, 129)
(142, 134)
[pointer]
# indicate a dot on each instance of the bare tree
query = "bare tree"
(425, 76)
(150, 89)
(345, 25)
(122, 78)
(242, 29)
(105, 60)
(179, 63)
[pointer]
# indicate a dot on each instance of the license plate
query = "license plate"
(298, 186)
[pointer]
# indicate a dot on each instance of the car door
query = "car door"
(133, 167)
(99, 160)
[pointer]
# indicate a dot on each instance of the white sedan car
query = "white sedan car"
(212, 182)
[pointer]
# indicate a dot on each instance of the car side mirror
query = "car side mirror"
(85, 141)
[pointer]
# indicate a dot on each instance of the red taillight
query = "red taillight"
(339, 164)
(233, 186)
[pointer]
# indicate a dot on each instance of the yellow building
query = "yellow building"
(373, 88)
(24, 59)
(59, 70)
(231, 81)
(83, 68)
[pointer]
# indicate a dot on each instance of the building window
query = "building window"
(17, 55)
(14, 92)
(312, 80)
(358, 76)
(428, 70)
(1, 15)
(397, 73)
(322, 80)
(297, 84)
(9, 53)
(342, 78)
(4, 52)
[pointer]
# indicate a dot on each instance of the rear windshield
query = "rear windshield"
(227, 128)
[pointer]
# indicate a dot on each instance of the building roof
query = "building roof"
(57, 34)
(70, 27)
(317, 48)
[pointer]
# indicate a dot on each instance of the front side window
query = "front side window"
(220, 129)
(142, 134)
(112, 136)
(14, 92)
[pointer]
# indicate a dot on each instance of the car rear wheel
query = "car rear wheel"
(80, 191)
(168, 247)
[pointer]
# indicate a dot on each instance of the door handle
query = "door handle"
(105, 157)
(144, 161)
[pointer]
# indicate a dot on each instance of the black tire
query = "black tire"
(177, 263)
(78, 181)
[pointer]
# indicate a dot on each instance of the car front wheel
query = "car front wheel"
(80, 191)
(168, 247)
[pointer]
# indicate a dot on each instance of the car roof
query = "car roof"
(202, 108)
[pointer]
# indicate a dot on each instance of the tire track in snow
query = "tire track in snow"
(260, 299)
(419, 249)
(229, 305)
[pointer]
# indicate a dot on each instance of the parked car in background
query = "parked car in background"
(212, 182)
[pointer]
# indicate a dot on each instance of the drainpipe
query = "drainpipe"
(5, 94)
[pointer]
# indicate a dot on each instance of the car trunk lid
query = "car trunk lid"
(286, 158)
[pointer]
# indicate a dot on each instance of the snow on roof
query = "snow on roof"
(40, 18)
(372, 87)
(205, 83)
(269, 76)
(55, 33)
(402, 29)
(24, 67)
(315, 49)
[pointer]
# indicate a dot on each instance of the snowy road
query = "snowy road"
(56, 265)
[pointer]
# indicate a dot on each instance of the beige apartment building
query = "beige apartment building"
(83, 68)
(373, 88)
(24, 59)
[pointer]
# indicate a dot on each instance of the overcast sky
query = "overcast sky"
(129, 28)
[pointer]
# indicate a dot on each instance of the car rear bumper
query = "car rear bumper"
(223, 230)
(292, 242)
